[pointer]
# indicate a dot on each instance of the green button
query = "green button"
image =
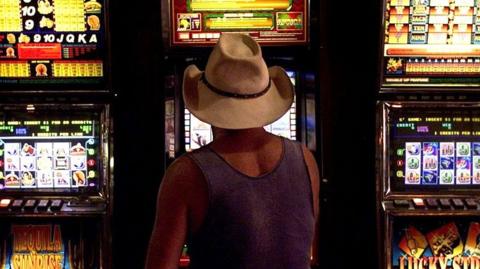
(400, 152)
(91, 152)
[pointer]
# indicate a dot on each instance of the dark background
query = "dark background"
(344, 52)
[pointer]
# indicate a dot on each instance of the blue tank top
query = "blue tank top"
(255, 222)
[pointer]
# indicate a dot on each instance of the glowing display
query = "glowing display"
(49, 152)
(431, 43)
(441, 242)
(197, 22)
(52, 42)
(48, 245)
(237, 5)
(435, 148)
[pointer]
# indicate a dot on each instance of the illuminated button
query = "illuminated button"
(400, 174)
(458, 203)
(1, 163)
(445, 203)
(56, 204)
(91, 162)
(17, 204)
(418, 202)
(43, 205)
(401, 203)
(400, 163)
(30, 204)
(91, 152)
(1, 175)
(1, 152)
(432, 203)
(471, 203)
(400, 152)
(4, 203)
(91, 174)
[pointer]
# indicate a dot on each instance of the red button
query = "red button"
(91, 162)
(1, 163)
(400, 163)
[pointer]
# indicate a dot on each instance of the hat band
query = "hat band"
(234, 95)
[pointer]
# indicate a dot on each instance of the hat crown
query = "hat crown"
(236, 65)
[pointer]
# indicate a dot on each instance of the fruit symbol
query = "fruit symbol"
(44, 7)
(11, 38)
(24, 39)
(46, 22)
(94, 22)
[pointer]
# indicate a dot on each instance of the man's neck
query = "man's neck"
(220, 133)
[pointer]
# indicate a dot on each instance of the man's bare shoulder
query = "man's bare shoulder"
(309, 158)
(184, 173)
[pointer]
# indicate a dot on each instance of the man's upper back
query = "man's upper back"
(254, 221)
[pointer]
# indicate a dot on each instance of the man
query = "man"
(249, 199)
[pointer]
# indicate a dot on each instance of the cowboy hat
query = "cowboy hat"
(237, 90)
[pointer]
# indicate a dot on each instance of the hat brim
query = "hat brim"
(237, 113)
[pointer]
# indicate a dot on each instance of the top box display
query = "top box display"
(431, 44)
(272, 22)
(52, 42)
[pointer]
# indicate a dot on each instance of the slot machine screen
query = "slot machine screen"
(49, 150)
(431, 43)
(434, 148)
(199, 133)
(441, 242)
(286, 126)
(46, 42)
(200, 22)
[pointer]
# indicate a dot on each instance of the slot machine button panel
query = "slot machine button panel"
(432, 203)
(401, 203)
(30, 204)
(471, 203)
(17, 205)
(445, 203)
(458, 203)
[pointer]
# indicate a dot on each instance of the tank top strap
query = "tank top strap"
(292, 150)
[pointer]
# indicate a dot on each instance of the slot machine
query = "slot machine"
(427, 135)
(56, 158)
(191, 28)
